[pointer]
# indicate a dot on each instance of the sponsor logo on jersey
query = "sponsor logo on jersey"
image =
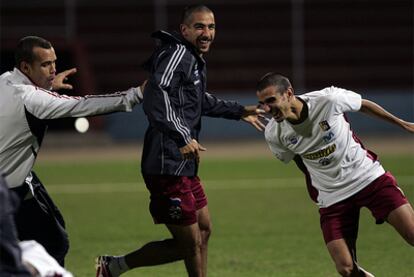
(328, 137)
(175, 211)
(325, 152)
(324, 161)
(324, 125)
(293, 140)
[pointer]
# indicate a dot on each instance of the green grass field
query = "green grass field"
(264, 223)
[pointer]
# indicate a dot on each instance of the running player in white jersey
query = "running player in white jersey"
(26, 103)
(342, 176)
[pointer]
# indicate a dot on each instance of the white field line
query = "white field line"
(234, 184)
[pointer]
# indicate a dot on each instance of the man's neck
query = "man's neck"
(299, 111)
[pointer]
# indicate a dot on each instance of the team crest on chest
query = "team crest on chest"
(324, 125)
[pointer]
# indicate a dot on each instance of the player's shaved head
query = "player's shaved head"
(281, 82)
(190, 10)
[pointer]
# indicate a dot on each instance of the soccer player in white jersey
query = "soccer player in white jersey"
(342, 176)
(26, 105)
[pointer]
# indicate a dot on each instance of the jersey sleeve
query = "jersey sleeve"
(215, 107)
(158, 99)
(46, 104)
(277, 149)
(346, 100)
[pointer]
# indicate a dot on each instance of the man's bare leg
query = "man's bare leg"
(204, 222)
(343, 253)
(402, 219)
(185, 244)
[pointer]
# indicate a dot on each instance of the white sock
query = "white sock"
(117, 266)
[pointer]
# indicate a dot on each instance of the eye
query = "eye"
(270, 100)
(46, 64)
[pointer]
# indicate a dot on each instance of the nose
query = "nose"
(206, 31)
(53, 68)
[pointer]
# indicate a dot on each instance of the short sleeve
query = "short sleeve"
(346, 100)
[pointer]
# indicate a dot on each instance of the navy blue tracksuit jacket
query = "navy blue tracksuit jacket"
(175, 99)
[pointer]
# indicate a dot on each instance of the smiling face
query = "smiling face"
(199, 30)
(277, 103)
(42, 70)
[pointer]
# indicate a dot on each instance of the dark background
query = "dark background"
(364, 45)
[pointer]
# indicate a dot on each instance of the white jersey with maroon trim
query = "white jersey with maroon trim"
(24, 108)
(335, 162)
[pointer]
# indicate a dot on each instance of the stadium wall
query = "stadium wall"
(132, 126)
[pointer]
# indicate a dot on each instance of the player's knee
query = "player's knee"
(205, 236)
(345, 268)
(205, 232)
(408, 235)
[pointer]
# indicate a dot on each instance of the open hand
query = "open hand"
(252, 115)
(61, 78)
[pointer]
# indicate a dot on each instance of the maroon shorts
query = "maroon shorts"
(381, 197)
(175, 199)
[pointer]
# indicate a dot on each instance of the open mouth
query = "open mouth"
(277, 115)
(49, 83)
(204, 42)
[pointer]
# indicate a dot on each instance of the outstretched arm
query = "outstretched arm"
(375, 110)
(214, 107)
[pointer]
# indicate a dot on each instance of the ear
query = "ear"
(290, 93)
(25, 67)
(183, 29)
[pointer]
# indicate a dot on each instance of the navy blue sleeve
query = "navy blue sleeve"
(214, 107)
(10, 253)
(159, 102)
